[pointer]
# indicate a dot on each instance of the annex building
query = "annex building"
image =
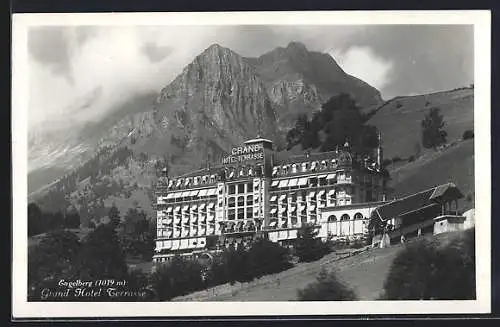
(256, 190)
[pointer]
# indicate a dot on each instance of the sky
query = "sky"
(78, 73)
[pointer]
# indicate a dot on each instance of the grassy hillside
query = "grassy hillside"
(453, 164)
(365, 272)
(399, 119)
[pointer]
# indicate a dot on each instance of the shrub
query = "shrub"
(308, 247)
(426, 270)
(180, 276)
(327, 287)
(468, 134)
(266, 257)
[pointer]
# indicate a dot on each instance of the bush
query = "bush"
(327, 287)
(468, 134)
(426, 270)
(308, 247)
(266, 257)
(178, 277)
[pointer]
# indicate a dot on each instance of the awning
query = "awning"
(292, 182)
(175, 245)
(193, 219)
(211, 205)
(281, 209)
(193, 193)
(275, 170)
(322, 176)
(169, 210)
(178, 182)
(194, 206)
(170, 195)
(292, 209)
(302, 181)
(312, 208)
(211, 191)
(312, 194)
(184, 194)
(186, 183)
(185, 207)
(201, 231)
(202, 192)
(170, 183)
(239, 224)
(210, 218)
(177, 209)
(273, 198)
(231, 174)
(169, 233)
(272, 223)
(275, 183)
(273, 210)
(282, 196)
(330, 176)
(202, 206)
(320, 193)
(283, 183)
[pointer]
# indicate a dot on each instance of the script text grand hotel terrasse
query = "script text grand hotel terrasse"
(244, 153)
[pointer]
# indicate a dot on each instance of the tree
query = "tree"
(428, 270)
(308, 247)
(114, 216)
(266, 257)
(35, 223)
(327, 287)
(178, 277)
(54, 258)
(468, 134)
(433, 133)
(101, 256)
(72, 219)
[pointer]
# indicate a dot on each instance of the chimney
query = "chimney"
(380, 153)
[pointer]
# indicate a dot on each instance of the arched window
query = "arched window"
(332, 218)
(358, 216)
(345, 217)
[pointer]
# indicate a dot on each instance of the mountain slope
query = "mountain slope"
(399, 119)
(299, 81)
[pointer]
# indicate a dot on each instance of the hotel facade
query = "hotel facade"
(256, 191)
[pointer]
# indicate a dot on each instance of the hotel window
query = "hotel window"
(249, 200)
(241, 188)
(284, 170)
(241, 201)
(249, 187)
(231, 202)
(294, 168)
(230, 214)
(241, 213)
(304, 166)
(313, 165)
(249, 213)
(232, 189)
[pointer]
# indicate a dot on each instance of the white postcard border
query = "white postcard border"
(482, 144)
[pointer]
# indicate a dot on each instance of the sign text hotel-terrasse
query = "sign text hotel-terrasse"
(244, 153)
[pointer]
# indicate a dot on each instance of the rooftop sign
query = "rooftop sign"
(245, 153)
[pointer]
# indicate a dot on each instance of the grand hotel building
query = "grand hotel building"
(255, 190)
